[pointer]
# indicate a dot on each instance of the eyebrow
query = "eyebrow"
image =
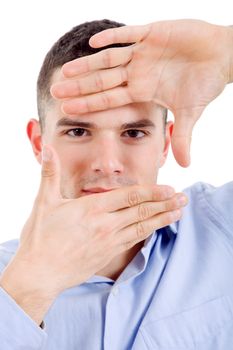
(142, 123)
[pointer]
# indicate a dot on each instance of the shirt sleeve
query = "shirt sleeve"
(17, 330)
(220, 201)
(215, 204)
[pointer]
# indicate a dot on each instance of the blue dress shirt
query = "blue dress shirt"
(176, 294)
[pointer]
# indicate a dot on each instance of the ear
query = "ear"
(168, 134)
(34, 135)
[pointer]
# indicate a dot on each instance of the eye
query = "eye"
(78, 132)
(135, 134)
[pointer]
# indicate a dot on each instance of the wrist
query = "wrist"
(31, 298)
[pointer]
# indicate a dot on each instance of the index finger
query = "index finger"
(107, 58)
(123, 35)
(126, 197)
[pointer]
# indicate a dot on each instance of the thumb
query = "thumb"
(182, 135)
(49, 190)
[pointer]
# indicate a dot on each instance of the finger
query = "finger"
(96, 82)
(123, 35)
(108, 58)
(126, 197)
(97, 102)
(49, 190)
(138, 232)
(182, 135)
(146, 210)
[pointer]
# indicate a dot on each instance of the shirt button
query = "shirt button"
(115, 291)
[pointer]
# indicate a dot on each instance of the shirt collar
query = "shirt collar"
(139, 262)
(149, 242)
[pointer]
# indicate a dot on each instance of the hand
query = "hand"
(181, 65)
(65, 242)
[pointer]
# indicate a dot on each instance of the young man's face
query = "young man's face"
(104, 150)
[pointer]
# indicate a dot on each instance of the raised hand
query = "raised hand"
(182, 65)
(65, 242)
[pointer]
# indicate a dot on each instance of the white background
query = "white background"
(28, 29)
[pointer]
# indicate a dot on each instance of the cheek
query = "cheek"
(144, 162)
(73, 168)
(72, 160)
(150, 154)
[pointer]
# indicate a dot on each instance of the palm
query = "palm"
(176, 64)
(190, 88)
(177, 73)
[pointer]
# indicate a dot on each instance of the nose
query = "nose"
(106, 158)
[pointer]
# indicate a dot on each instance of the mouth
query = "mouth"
(96, 190)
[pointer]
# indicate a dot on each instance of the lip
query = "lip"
(96, 190)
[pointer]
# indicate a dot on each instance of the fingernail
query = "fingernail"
(182, 200)
(47, 154)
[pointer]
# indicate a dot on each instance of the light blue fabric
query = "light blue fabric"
(176, 294)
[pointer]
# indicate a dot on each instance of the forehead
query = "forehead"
(109, 118)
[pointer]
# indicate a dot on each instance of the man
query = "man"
(83, 264)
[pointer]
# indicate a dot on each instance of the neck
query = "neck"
(119, 263)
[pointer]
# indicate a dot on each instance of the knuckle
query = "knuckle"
(105, 100)
(140, 230)
(113, 35)
(107, 58)
(87, 64)
(143, 212)
(78, 88)
(99, 85)
(101, 229)
(133, 198)
(87, 105)
(123, 75)
(46, 173)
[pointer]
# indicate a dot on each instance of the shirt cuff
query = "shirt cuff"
(17, 329)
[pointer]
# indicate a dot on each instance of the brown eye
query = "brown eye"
(76, 132)
(135, 133)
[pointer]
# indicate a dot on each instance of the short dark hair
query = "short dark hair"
(73, 44)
